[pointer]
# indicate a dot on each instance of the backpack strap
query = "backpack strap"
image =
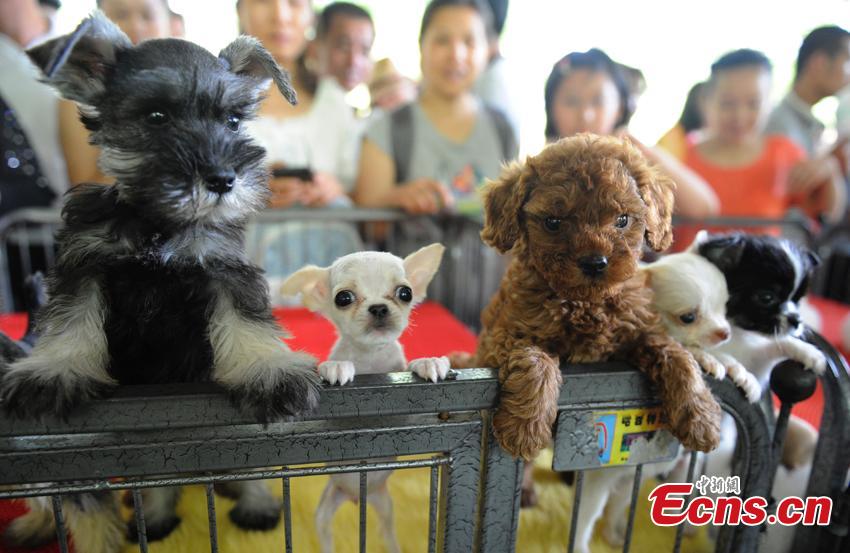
(401, 135)
(507, 139)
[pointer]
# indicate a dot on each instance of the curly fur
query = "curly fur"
(548, 311)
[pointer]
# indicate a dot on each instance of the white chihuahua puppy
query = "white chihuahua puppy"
(368, 296)
(690, 294)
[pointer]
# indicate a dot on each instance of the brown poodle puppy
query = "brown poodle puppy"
(574, 218)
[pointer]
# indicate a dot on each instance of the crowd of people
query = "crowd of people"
(428, 146)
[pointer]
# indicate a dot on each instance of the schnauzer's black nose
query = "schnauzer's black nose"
(221, 181)
(379, 310)
(593, 265)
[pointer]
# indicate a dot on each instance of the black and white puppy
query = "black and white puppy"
(151, 284)
(767, 277)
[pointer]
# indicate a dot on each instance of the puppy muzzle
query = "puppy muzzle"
(593, 265)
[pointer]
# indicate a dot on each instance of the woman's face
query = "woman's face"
(139, 19)
(735, 105)
(453, 50)
(281, 25)
(586, 101)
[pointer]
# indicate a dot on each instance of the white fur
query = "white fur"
(373, 278)
(689, 283)
(76, 325)
(248, 351)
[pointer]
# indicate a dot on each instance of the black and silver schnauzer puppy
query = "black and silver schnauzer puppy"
(151, 284)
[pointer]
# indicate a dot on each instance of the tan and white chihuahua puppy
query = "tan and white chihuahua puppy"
(368, 296)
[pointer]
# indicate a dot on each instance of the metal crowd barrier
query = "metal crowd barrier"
(190, 434)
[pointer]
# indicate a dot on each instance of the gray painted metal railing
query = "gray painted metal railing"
(190, 434)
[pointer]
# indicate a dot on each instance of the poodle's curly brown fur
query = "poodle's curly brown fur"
(548, 311)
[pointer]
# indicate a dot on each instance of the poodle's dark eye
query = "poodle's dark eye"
(765, 298)
(156, 118)
(552, 223)
(688, 318)
(233, 122)
(344, 298)
(622, 221)
(404, 293)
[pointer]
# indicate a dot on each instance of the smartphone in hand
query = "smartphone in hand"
(301, 173)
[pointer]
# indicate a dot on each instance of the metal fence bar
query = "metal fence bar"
(212, 521)
(632, 508)
(571, 542)
(287, 514)
(432, 508)
(139, 508)
(680, 529)
(464, 477)
(59, 517)
(363, 504)
(132, 484)
(501, 473)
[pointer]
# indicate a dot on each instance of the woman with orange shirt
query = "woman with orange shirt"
(752, 174)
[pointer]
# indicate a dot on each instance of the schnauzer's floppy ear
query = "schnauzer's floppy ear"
(313, 283)
(503, 201)
(246, 56)
(77, 65)
(725, 252)
(421, 266)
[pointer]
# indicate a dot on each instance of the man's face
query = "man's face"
(344, 53)
(836, 74)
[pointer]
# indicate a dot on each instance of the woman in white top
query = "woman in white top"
(314, 134)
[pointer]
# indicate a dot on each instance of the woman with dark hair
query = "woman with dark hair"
(436, 151)
(686, 129)
(587, 92)
(298, 138)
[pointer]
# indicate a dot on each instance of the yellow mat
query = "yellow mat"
(542, 529)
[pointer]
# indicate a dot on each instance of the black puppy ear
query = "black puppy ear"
(724, 251)
(246, 56)
(78, 64)
(813, 258)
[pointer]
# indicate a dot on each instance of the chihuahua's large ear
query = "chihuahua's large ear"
(503, 201)
(313, 283)
(421, 266)
(78, 64)
(725, 252)
(246, 56)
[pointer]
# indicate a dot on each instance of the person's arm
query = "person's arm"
(80, 156)
(693, 196)
(376, 186)
(818, 186)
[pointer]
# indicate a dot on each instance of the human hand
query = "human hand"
(286, 191)
(323, 189)
(811, 174)
(422, 196)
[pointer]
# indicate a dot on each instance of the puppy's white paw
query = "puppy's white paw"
(337, 372)
(750, 385)
(430, 368)
(709, 363)
(813, 359)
